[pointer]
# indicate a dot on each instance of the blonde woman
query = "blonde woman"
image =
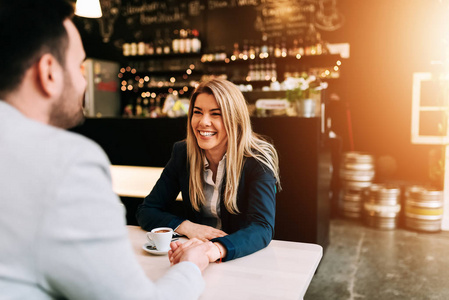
(227, 175)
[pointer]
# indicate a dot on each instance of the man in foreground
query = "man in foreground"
(62, 229)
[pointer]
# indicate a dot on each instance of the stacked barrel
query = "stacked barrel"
(423, 208)
(381, 205)
(356, 174)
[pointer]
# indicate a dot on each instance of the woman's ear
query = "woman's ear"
(50, 76)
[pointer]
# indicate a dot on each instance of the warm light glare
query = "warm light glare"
(88, 8)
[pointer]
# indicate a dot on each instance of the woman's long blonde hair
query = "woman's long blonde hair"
(242, 143)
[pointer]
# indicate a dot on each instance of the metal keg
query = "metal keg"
(356, 174)
(423, 208)
(381, 205)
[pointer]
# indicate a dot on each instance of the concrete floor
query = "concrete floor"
(368, 263)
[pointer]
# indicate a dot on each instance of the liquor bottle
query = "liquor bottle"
(126, 49)
(182, 41)
(251, 74)
(274, 74)
(293, 50)
(263, 71)
(251, 51)
(245, 51)
(158, 107)
(159, 42)
(257, 48)
(141, 48)
(138, 107)
(264, 47)
(145, 108)
(176, 41)
(188, 41)
(167, 42)
(196, 42)
(150, 48)
(236, 51)
(133, 51)
(277, 49)
(301, 50)
(128, 111)
(257, 72)
(283, 48)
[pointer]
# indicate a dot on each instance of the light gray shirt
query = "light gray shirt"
(62, 229)
(210, 211)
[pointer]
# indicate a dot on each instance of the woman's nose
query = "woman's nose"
(205, 120)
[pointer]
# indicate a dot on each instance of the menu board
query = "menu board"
(237, 20)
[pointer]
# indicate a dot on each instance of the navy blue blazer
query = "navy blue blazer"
(249, 231)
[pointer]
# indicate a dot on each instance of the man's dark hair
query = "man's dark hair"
(28, 30)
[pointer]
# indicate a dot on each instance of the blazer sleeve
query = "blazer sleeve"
(257, 227)
(84, 249)
(156, 210)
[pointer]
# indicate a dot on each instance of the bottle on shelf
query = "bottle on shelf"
(293, 50)
(167, 42)
(145, 108)
(176, 41)
(236, 51)
(182, 41)
(245, 52)
(150, 48)
(128, 110)
(274, 75)
(141, 48)
(126, 48)
(159, 43)
(139, 109)
(257, 49)
(270, 49)
(283, 47)
(133, 49)
(301, 50)
(188, 41)
(277, 49)
(196, 42)
(264, 47)
(252, 50)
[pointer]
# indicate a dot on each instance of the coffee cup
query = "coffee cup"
(161, 238)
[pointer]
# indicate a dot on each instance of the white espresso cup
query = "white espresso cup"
(161, 238)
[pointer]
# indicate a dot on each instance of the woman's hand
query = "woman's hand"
(201, 232)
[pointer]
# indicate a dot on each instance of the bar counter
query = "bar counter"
(302, 207)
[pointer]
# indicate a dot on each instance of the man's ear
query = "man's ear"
(50, 75)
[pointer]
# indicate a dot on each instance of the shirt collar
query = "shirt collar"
(206, 162)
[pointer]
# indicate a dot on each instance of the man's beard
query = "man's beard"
(64, 112)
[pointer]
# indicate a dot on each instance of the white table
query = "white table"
(281, 271)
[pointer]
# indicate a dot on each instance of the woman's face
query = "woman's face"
(207, 124)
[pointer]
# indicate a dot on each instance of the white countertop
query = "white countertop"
(136, 182)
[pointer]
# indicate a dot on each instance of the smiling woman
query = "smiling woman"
(227, 175)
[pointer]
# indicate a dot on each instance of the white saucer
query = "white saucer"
(148, 247)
